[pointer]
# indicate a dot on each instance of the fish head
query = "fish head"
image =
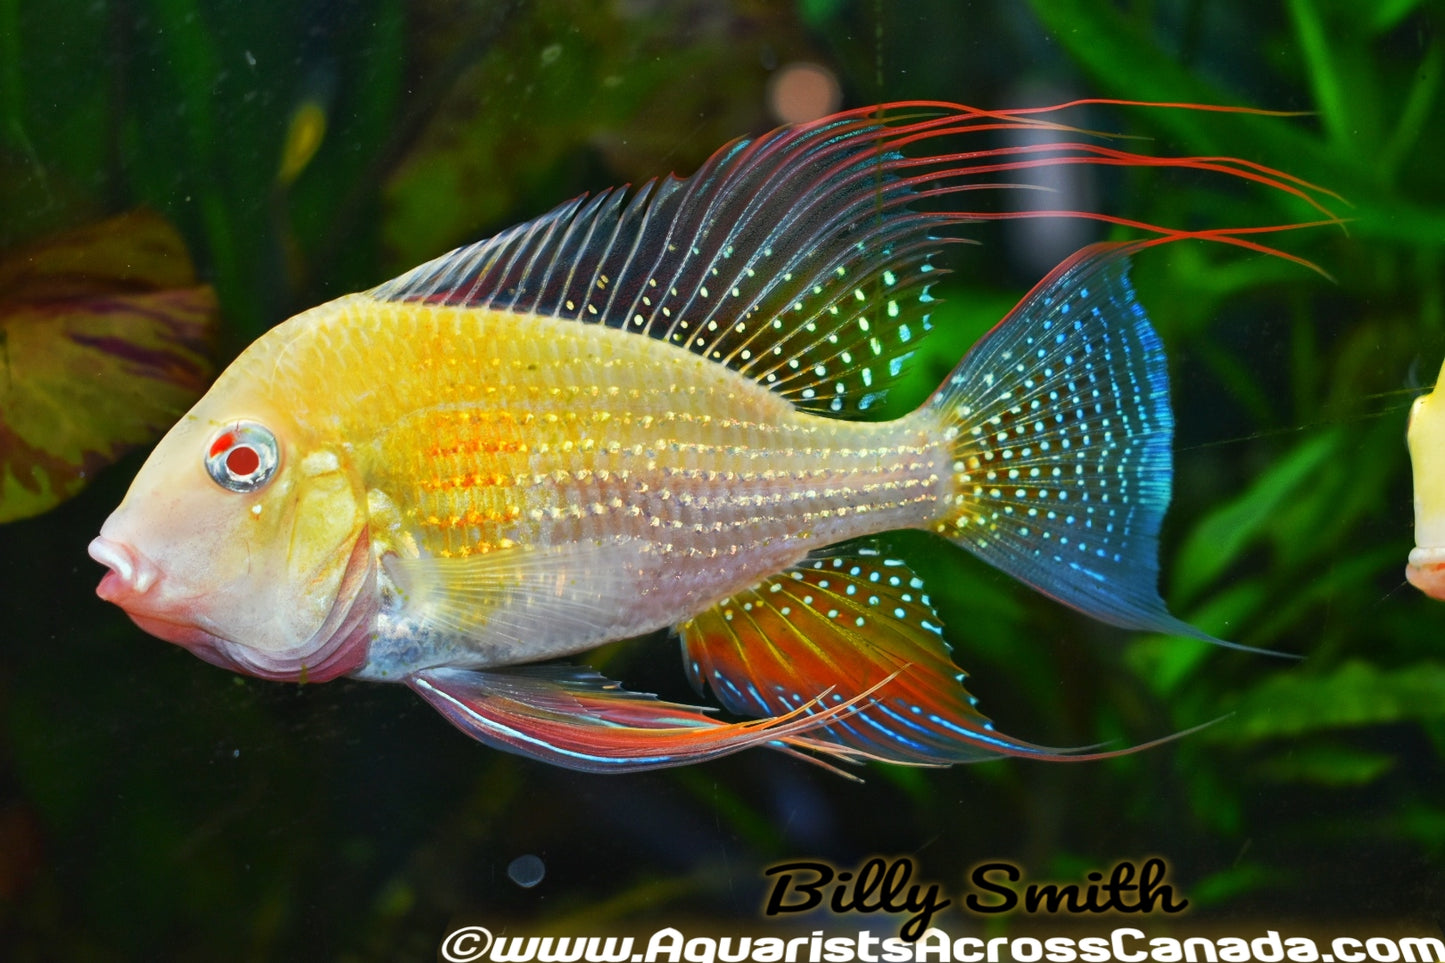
(244, 539)
(1426, 438)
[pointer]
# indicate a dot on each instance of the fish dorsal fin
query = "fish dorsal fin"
(841, 624)
(790, 258)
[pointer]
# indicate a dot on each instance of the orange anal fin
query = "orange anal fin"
(841, 625)
(573, 717)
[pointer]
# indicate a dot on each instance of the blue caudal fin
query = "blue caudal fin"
(1062, 447)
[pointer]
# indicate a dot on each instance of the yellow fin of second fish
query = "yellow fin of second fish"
(1426, 437)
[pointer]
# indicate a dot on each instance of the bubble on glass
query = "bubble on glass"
(802, 91)
(526, 871)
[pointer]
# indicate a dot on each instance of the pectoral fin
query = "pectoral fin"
(516, 595)
(573, 717)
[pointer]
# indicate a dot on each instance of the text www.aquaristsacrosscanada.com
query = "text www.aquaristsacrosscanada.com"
(473, 944)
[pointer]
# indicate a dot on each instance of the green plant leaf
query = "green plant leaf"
(1219, 540)
(104, 342)
(1229, 884)
(1123, 54)
(1353, 695)
(1328, 765)
(1166, 662)
(1385, 15)
(1324, 71)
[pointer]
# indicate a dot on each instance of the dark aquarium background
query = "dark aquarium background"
(270, 155)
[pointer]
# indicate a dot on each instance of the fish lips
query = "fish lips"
(1426, 571)
(134, 583)
(339, 647)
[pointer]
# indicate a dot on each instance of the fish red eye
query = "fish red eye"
(243, 457)
(243, 460)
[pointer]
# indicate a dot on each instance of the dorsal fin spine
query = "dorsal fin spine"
(717, 195)
(803, 250)
(518, 246)
(514, 247)
(659, 191)
(555, 227)
(677, 193)
(782, 151)
(795, 225)
(580, 300)
(646, 203)
(700, 184)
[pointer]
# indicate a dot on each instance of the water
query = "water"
(154, 807)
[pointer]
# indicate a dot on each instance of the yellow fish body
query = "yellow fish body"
(631, 414)
(1426, 438)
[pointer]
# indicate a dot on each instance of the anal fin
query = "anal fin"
(842, 625)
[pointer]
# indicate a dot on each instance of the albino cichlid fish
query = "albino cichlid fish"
(640, 411)
(1426, 438)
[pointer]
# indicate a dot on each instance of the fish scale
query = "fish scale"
(575, 436)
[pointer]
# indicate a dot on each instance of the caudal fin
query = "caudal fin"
(1061, 428)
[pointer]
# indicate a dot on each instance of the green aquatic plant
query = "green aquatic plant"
(1299, 540)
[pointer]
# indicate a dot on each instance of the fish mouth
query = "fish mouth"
(1426, 570)
(1423, 555)
(132, 584)
(339, 645)
(131, 574)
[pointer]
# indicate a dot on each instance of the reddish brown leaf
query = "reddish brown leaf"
(104, 341)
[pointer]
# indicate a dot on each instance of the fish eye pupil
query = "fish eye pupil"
(243, 460)
(243, 457)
